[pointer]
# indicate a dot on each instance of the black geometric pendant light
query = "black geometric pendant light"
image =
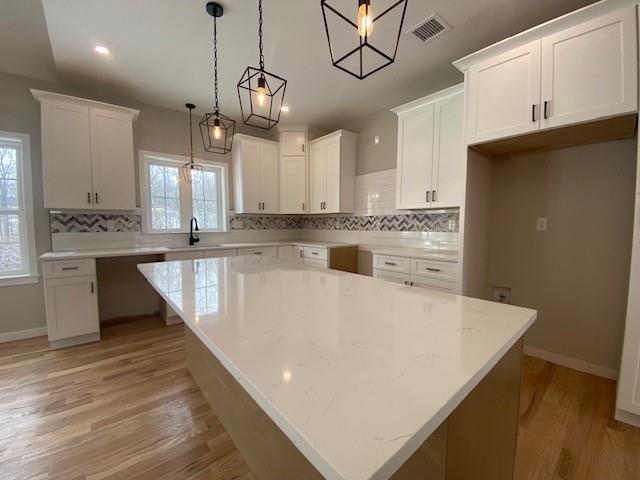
(261, 93)
(191, 168)
(216, 129)
(364, 42)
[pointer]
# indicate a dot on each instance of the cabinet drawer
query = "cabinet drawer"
(263, 251)
(313, 262)
(392, 264)
(70, 268)
(392, 277)
(317, 253)
(433, 283)
(440, 270)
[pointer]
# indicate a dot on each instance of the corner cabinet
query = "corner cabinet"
(87, 153)
(255, 175)
(580, 73)
(431, 169)
(332, 160)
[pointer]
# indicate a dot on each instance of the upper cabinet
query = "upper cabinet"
(332, 160)
(293, 172)
(255, 175)
(579, 73)
(431, 169)
(87, 153)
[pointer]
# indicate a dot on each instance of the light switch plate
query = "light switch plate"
(541, 224)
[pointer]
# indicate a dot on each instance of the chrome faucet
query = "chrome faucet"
(193, 239)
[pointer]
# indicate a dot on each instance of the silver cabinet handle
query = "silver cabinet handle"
(301, 254)
(257, 253)
(390, 263)
(433, 269)
(88, 197)
(428, 193)
(314, 253)
(433, 195)
(69, 268)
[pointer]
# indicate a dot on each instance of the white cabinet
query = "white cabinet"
(332, 173)
(293, 184)
(590, 71)
(628, 400)
(285, 253)
(71, 302)
(269, 252)
(580, 73)
(431, 152)
(87, 153)
(298, 254)
(293, 143)
(255, 175)
(416, 272)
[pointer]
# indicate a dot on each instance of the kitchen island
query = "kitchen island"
(318, 373)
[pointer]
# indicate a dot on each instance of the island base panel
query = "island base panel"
(478, 439)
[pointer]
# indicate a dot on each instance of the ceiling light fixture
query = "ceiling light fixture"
(102, 50)
(365, 59)
(216, 129)
(261, 93)
(191, 168)
(285, 108)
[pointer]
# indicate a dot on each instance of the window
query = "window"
(17, 238)
(168, 202)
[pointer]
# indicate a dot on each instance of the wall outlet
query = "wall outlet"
(502, 295)
(541, 224)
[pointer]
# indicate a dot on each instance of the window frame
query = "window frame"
(145, 158)
(29, 274)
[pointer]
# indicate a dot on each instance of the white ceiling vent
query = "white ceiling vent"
(430, 27)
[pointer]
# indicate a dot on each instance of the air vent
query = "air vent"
(430, 28)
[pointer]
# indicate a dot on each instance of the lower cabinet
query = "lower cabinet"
(298, 254)
(270, 252)
(71, 301)
(416, 272)
(285, 253)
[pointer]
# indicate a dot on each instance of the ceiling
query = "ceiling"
(161, 50)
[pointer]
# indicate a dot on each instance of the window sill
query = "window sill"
(27, 279)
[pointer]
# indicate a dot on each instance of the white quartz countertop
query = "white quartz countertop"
(356, 371)
(422, 253)
(127, 252)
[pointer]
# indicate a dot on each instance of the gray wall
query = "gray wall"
(576, 273)
(156, 129)
(374, 158)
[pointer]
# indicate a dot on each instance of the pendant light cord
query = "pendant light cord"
(215, 62)
(191, 134)
(260, 34)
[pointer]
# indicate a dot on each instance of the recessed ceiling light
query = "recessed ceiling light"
(285, 108)
(102, 50)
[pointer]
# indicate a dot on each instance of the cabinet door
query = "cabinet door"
(269, 178)
(629, 383)
(66, 155)
(449, 156)
(590, 71)
(317, 178)
(298, 254)
(72, 307)
(249, 185)
(112, 160)
(285, 253)
(392, 277)
(293, 184)
(415, 158)
(503, 93)
(332, 176)
(292, 143)
(269, 252)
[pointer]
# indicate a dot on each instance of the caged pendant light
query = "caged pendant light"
(261, 93)
(363, 34)
(191, 170)
(216, 129)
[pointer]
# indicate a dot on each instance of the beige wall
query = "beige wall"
(374, 158)
(157, 129)
(576, 273)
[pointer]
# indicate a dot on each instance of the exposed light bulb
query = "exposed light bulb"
(101, 49)
(217, 131)
(261, 92)
(365, 19)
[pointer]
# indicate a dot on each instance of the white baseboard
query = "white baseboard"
(570, 362)
(627, 417)
(22, 334)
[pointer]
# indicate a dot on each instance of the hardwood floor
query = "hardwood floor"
(126, 408)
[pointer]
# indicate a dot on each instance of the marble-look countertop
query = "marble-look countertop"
(356, 371)
(133, 251)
